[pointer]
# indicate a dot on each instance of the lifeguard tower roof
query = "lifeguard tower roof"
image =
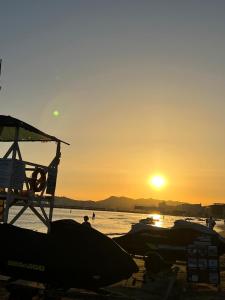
(27, 133)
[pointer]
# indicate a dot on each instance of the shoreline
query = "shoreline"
(221, 230)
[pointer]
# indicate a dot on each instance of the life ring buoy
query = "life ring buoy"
(38, 180)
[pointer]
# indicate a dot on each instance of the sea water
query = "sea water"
(108, 222)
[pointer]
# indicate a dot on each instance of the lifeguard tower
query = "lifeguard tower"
(23, 183)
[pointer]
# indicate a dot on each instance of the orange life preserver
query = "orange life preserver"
(38, 183)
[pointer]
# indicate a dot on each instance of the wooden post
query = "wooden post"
(54, 165)
(10, 196)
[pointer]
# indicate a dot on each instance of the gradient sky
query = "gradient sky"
(140, 87)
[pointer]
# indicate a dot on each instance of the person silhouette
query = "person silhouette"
(93, 216)
(211, 222)
(86, 222)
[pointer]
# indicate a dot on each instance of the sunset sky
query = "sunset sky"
(139, 87)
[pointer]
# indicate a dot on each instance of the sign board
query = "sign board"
(203, 262)
(12, 173)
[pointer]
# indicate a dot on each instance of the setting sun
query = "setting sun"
(157, 181)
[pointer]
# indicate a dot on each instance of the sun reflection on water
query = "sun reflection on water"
(158, 219)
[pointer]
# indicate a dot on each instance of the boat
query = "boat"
(148, 220)
(170, 243)
(143, 223)
(189, 219)
(71, 255)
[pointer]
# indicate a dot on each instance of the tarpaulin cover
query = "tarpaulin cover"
(71, 255)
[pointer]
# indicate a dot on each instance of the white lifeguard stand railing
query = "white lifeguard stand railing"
(24, 183)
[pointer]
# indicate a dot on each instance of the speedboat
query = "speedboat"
(143, 223)
(148, 220)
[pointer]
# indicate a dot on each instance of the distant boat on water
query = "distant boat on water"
(189, 219)
(148, 220)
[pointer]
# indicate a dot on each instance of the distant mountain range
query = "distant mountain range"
(111, 203)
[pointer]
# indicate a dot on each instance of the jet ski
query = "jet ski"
(71, 255)
(170, 243)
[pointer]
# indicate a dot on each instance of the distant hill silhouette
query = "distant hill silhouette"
(113, 202)
(68, 202)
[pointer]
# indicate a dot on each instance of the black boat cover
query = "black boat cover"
(72, 255)
(171, 243)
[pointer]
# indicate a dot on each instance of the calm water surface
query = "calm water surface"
(108, 222)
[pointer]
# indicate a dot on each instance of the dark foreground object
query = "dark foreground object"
(72, 255)
(169, 243)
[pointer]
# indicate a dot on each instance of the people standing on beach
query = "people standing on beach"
(86, 222)
(210, 222)
(93, 216)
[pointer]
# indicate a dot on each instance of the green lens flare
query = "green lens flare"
(55, 113)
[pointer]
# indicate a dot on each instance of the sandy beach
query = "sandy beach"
(162, 287)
